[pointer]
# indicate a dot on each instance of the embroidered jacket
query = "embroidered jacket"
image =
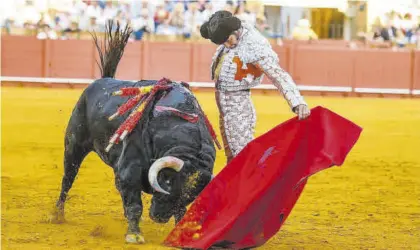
(243, 67)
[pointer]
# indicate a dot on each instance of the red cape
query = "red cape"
(249, 200)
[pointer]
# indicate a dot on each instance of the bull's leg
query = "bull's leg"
(76, 146)
(129, 185)
(73, 157)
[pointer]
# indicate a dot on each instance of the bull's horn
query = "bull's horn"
(161, 163)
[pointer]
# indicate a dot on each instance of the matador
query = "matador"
(242, 59)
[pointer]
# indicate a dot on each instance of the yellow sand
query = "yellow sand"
(372, 201)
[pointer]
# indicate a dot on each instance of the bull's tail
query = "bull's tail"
(114, 44)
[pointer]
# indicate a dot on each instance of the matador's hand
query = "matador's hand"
(302, 111)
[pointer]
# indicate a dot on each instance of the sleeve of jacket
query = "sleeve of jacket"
(281, 79)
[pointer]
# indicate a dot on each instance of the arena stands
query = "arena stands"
(164, 28)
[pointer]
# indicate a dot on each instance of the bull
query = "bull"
(165, 155)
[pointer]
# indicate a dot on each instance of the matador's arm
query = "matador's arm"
(282, 80)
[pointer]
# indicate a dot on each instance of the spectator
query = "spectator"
(389, 32)
(209, 8)
(149, 5)
(28, 14)
(400, 39)
(29, 28)
(410, 33)
(160, 15)
(229, 6)
(110, 11)
(177, 18)
(261, 25)
(395, 19)
(190, 20)
(407, 23)
(62, 21)
(9, 23)
(78, 7)
(122, 19)
(45, 19)
(165, 29)
(93, 9)
(303, 30)
(142, 24)
(201, 4)
(243, 14)
(417, 38)
(93, 25)
(74, 27)
(46, 33)
(168, 6)
(124, 6)
(203, 13)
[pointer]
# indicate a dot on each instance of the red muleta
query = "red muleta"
(250, 199)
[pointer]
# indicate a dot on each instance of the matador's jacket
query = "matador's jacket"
(237, 70)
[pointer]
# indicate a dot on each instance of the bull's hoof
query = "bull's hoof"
(56, 216)
(134, 238)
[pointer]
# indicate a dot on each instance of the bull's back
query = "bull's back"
(100, 104)
(99, 97)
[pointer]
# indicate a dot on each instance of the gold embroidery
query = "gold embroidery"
(219, 66)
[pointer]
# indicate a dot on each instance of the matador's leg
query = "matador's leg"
(237, 120)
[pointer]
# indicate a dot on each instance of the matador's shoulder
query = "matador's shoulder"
(254, 46)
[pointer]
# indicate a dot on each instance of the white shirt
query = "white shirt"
(50, 34)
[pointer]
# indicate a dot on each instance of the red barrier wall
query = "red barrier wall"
(416, 71)
(130, 67)
(22, 56)
(202, 55)
(167, 59)
(319, 65)
(323, 66)
(383, 69)
(70, 58)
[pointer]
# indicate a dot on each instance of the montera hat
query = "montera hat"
(220, 26)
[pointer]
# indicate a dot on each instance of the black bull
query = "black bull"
(165, 155)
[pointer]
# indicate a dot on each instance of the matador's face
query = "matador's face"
(232, 41)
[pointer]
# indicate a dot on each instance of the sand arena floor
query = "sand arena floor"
(372, 201)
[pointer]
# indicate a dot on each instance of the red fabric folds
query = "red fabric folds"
(249, 200)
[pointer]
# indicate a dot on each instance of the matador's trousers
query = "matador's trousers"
(237, 120)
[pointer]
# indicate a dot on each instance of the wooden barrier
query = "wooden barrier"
(131, 64)
(320, 68)
(386, 71)
(69, 57)
(416, 74)
(174, 59)
(202, 55)
(324, 67)
(22, 56)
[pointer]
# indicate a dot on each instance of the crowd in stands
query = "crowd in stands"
(178, 17)
(168, 17)
(399, 30)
